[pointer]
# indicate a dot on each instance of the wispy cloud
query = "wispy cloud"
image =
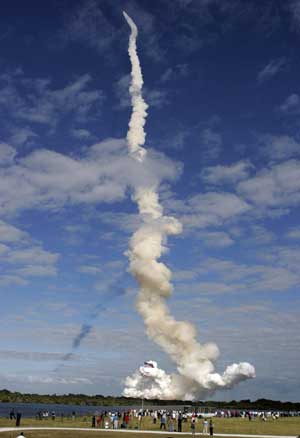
(226, 174)
(294, 7)
(89, 24)
(38, 102)
(156, 97)
(293, 234)
(208, 209)
(211, 142)
(44, 380)
(174, 73)
(49, 180)
(7, 154)
(279, 147)
(291, 105)
(270, 70)
(81, 134)
(22, 258)
(275, 274)
(89, 269)
(275, 187)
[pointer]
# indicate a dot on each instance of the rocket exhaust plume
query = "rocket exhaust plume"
(195, 362)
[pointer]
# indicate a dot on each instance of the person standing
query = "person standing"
(205, 426)
(18, 419)
(171, 425)
(163, 420)
(116, 421)
(193, 426)
(179, 422)
(12, 415)
(94, 421)
(211, 427)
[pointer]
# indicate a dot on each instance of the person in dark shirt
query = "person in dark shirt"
(12, 414)
(193, 426)
(211, 427)
(179, 422)
(18, 419)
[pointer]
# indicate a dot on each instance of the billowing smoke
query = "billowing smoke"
(195, 362)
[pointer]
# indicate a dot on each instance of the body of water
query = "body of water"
(31, 409)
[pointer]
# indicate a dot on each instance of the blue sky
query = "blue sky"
(222, 81)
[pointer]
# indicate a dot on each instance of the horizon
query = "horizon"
(149, 400)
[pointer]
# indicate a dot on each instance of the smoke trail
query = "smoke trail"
(86, 328)
(136, 134)
(195, 362)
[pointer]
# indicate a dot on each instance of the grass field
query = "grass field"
(282, 426)
(82, 434)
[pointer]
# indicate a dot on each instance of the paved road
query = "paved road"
(157, 432)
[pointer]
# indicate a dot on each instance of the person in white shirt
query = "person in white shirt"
(21, 435)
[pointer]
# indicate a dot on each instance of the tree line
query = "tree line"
(7, 396)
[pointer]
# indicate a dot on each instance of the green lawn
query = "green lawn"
(282, 426)
(81, 434)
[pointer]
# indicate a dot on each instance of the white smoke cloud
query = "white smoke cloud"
(136, 134)
(195, 361)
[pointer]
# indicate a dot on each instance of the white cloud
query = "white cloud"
(215, 239)
(3, 248)
(211, 287)
(35, 101)
(207, 209)
(277, 274)
(89, 269)
(82, 134)
(87, 23)
(49, 180)
(46, 379)
(122, 221)
(291, 105)
(20, 258)
(271, 69)
(10, 279)
(287, 257)
(226, 174)
(37, 271)
(9, 233)
(278, 147)
(32, 255)
(184, 275)
(7, 154)
(293, 233)
(277, 186)
(174, 73)
(20, 136)
(294, 7)
(258, 235)
(211, 142)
